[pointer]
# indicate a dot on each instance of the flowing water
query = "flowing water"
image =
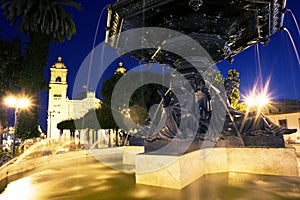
(88, 178)
(295, 20)
(259, 80)
(293, 44)
(94, 45)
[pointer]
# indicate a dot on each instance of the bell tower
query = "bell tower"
(57, 105)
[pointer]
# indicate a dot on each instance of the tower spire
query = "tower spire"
(59, 64)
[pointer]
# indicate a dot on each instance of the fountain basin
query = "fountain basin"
(18, 167)
(25, 165)
(179, 171)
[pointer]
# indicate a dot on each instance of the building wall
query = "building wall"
(282, 106)
(292, 120)
(78, 108)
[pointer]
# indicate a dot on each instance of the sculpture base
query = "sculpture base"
(179, 171)
(175, 147)
(182, 146)
(268, 141)
(136, 141)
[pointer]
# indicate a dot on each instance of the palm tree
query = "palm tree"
(47, 17)
(44, 22)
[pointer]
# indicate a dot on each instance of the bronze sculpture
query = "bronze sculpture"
(224, 29)
(236, 124)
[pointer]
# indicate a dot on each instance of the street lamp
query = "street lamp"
(259, 97)
(16, 103)
(49, 124)
(258, 101)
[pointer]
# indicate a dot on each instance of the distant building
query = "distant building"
(282, 106)
(60, 107)
(285, 113)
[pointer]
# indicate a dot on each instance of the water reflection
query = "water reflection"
(21, 189)
(89, 179)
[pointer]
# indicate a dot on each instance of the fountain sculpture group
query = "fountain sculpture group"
(223, 28)
(197, 113)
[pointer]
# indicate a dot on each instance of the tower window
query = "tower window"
(58, 79)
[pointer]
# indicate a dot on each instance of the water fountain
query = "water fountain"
(265, 185)
(40, 153)
(223, 29)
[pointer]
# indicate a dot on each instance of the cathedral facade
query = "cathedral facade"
(60, 107)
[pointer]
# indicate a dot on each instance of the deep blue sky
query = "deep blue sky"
(278, 59)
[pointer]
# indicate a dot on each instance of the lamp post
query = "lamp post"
(16, 103)
(50, 115)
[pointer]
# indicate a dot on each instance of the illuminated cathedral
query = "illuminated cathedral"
(60, 107)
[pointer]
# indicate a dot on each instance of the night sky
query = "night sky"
(277, 60)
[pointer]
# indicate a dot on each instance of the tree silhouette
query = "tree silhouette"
(43, 22)
(233, 76)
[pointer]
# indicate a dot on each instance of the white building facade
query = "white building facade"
(60, 107)
(289, 120)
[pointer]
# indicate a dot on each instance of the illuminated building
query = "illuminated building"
(285, 113)
(60, 107)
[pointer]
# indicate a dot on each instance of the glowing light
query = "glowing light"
(14, 102)
(250, 101)
(259, 100)
(23, 103)
(258, 97)
(10, 101)
(262, 100)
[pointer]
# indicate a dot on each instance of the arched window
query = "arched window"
(58, 79)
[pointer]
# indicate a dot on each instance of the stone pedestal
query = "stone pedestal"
(130, 152)
(133, 141)
(179, 147)
(178, 171)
